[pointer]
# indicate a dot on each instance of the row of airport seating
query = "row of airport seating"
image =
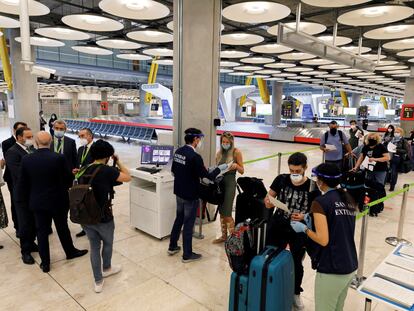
(126, 132)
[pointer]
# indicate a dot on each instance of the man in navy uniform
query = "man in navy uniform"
(188, 168)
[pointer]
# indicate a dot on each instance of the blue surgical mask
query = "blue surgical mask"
(59, 134)
(226, 146)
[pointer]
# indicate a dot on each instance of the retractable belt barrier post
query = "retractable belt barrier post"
(279, 162)
(399, 239)
(199, 235)
(359, 277)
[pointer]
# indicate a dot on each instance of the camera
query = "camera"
(44, 72)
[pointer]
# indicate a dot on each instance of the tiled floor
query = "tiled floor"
(150, 279)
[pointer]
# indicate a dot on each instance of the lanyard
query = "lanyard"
(82, 171)
(60, 148)
(84, 155)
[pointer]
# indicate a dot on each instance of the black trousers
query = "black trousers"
(27, 229)
(298, 250)
(13, 207)
(43, 220)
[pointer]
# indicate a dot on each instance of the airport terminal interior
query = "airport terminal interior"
(282, 76)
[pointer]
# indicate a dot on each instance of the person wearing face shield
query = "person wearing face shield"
(401, 154)
(331, 245)
(62, 144)
(333, 143)
(84, 157)
(188, 169)
(378, 158)
(228, 154)
(297, 191)
(14, 156)
(101, 235)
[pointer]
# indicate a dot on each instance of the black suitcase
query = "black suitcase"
(354, 183)
(250, 200)
(374, 191)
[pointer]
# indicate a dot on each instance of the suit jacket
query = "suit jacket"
(13, 159)
(5, 146)
(43, 182)
(69, 151)
(88, 160)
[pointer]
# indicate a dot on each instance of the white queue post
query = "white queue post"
(199, 235)
(359, 277)
(394, 241)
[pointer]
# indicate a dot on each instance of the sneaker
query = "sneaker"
(114, 270)
(173, 251)
(193, 257)
(297, 303)
(99, 287)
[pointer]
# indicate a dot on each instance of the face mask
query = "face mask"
(200, 145)
(372, 142)
(389, 130)
(29, 142)
(59, 134)
(319, 187)
(333, 131)
(83, 141)
(296, 178)
(397, 135)
(353, 127)
(226, 146)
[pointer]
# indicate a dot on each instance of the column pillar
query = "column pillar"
(144, 109)
(75, 105)
(355, 100)
(196, 70)
(277, 100)
(24, 99)
(393, 103)
(408, 99)
(104, 99)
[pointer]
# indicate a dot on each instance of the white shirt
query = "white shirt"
(23, 146)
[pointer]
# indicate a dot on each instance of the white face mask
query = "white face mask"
(59, 134)
(296, 178)
(29, 142)
(353, 126)
(389, 130)
(397, 135)
(83, 141)
(200, 145)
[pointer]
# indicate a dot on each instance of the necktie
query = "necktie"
(59, 146)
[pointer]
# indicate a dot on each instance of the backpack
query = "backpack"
(239, 248)
(83, 207)
(341, 137)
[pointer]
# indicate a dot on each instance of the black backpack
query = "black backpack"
(341, 137)
(83, 207)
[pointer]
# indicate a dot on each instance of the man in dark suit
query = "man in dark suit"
(84, 157)
(43, 188)
(13, 157)
(63, 144)
(5, 146)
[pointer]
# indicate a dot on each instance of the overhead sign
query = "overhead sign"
(407, 112)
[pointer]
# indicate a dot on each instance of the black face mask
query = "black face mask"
(333, 131)
(372, 142)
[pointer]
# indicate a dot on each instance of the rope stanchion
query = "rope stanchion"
(199, 235)
(394, 241)
(279, 163)
(359, 277)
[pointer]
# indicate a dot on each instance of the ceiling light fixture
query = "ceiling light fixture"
(374, 12)
(239, 36)
(256, 8)
(94, 19)
(152, 33)
(395, 29)
(11, 2)
(137, 5)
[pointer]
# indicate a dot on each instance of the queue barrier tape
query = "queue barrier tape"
(381, 200)
(278, 154)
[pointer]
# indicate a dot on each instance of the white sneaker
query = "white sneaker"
(297, 303)
(99, 287)
(114, 270)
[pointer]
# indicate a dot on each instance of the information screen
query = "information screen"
(156, 154)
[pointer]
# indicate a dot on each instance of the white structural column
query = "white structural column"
(196, 70)
(355, 100)
(75, 105)
(144, 109)
(23, 101)
(408, 99)
(277, 100)
(104, 99)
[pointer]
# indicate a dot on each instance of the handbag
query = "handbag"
(212, 192)
(4, 220)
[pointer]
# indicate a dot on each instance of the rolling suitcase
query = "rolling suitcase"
(271, 281)
(239, 282)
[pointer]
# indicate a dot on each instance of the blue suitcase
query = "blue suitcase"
(271, 281)
(238, 292)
